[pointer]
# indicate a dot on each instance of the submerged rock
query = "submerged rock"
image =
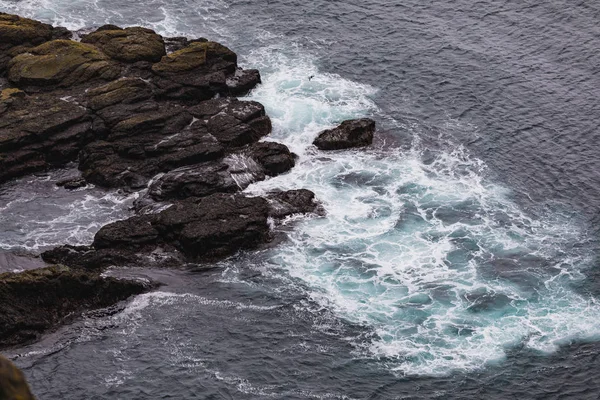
(13, 385)
(33, 302)
(351, 133)
(285, 203)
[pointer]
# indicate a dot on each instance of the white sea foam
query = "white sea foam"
(437, 260)
(36, 215)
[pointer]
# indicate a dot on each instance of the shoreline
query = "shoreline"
(140, 112)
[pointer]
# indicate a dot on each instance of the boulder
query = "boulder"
(351, 133)
(61, 63)
(36, 301)
(13, 385)
(72, 183)
(275, 158)
(128, 45)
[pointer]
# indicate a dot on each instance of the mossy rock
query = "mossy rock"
(13, 385)
(16, 30)
(128, 45)
(195, 56)
(61, 63)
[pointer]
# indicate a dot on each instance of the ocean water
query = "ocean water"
(458, 255)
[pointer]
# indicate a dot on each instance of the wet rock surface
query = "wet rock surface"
(351, 133)
(135, 111)
(35, 301)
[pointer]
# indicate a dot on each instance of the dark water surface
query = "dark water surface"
(458, 259)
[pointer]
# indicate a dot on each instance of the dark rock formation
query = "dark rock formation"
(61, 63)
(134, 109)
(128, 45)
(352, 133)
(200, 229)
(275, 158)
(17, 35)
(13, 385)
(39, 131)
(242, 81)
(36, 301)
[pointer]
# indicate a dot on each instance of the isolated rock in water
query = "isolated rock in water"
(352, 133)
(61, 63)
(13, 385)
(128, 45)
(284, 203)
(36, 301)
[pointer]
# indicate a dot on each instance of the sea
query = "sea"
(458, 257)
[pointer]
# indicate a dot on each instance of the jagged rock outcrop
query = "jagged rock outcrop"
(39, 131)
(351, 133)
(200, 229)
(13, 385)
(36, 301)
(128, 45)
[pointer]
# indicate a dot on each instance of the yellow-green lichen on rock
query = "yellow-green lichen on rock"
(61, 62)
(192, 57)
(16, 30)
(13, 385)
(129, 44)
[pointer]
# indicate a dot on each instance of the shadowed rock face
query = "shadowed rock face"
(352, 133)
(35, 301)
(13, 385)
(39, 131)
